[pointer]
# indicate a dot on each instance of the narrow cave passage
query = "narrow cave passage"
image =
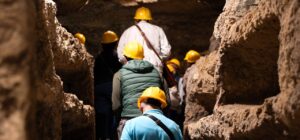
(56, 83)
(188, 26)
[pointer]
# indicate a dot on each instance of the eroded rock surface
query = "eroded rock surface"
(48, 85)
(200, 85)
(17, 93)
(256, 75)
(73, 64)
(60, 54)
(77, 119)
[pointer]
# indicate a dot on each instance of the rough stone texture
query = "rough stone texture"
(233, 10)
(188, 24)
(77, 119)
(256, 74)
(58, 55)
(200, 87)
(49, 85)
(17, 94)
(74, 65)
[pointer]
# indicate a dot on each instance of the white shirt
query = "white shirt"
(155, 35)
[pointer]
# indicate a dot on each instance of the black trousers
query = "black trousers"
(104, 125)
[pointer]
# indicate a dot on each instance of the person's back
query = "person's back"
(106, 64)
(153, 125)
(130, 81)
(155, 35)
(143, 128)
(135, 77)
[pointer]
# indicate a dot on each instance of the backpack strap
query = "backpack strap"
(161, 125)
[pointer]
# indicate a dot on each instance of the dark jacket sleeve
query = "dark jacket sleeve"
(166, 90)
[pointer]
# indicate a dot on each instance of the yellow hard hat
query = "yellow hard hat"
(109, 37)
(175, 61)
(80, 37)
(154, 93)
(134, 50)
(143, 13)
(171, 68)
(192, 56)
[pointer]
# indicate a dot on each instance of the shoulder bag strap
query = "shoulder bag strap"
(161, 125)
(169, 77)
(148, 42)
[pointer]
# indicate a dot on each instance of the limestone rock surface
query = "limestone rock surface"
(60, 54)
(74, 65)
(256, 77)
(17, 52)
(48, 83)
(77, 118)
(200, 88)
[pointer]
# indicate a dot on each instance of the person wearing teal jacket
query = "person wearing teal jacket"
(129, 83)
(143, 127)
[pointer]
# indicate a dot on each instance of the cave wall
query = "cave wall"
(188, 24)
(17, 93)
(73, 64)
(48, 84)
(255, 75)
(64, 105)
(246, 88)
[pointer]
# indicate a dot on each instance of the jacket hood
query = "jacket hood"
(139, 66)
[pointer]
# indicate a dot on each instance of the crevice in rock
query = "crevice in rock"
(250, 70)
(78, 84)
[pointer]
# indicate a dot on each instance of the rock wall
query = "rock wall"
(78, 119)
(48, 83)
(255, 75)
(200, 89)
(17, 93)
(60, 55)
(74, 65)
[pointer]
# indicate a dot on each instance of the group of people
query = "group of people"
(132, 98)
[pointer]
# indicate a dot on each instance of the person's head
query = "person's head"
(133, 50)
(109, 40)
(173, 65)
(152, 98)
(143, 13)
(80, 37)
(191, 57)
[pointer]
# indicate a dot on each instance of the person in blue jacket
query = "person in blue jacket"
(151, 102)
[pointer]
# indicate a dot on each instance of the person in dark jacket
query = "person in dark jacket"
(130, 81)
(106, 64)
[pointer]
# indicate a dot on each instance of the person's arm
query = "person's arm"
(166, 90)
(175, 99)
(116, 92)
(178, 134)
(181, 90)
(121, 45)
(165, 45)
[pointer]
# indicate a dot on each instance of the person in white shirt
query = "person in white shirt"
(155, 35)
